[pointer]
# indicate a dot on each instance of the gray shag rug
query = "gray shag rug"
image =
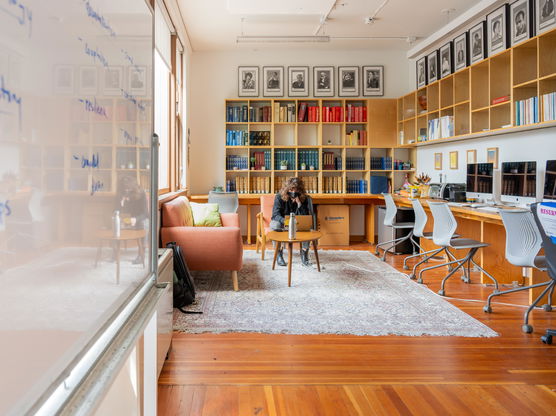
(355, 293)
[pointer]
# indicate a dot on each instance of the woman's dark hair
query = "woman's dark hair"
(293, 183)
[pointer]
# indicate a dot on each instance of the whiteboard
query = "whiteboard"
(75, 146)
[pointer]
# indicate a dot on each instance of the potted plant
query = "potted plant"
(303, 166)
(253, 162)
(283, 165)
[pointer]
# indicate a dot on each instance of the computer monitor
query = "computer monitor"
(519, 182)
(479, 179)
(549, 193)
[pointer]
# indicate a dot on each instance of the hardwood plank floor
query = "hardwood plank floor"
(285, 375)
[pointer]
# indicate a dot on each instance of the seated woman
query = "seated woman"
(292, 198)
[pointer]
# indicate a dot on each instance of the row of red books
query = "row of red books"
(307, 113)
(356, 113)
(332, 114)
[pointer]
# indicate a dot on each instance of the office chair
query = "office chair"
(523, 242)
(443, 236)
(263, 222)
(418, 231)
(390, 221)
(550, 258)
(228, 202)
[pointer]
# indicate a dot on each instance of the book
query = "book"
(500, 100)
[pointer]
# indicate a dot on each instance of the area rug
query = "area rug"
(355, 293)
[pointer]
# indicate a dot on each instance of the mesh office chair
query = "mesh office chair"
(443, 236)
(228, 202)
(550, 258)
(418, 231)
(523, 242)
(390, 221)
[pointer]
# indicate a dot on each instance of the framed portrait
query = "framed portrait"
(545, 15)
(432, 67)
(273, 81)
(477, 42)
(248, 81)
(497, 30)
(471, 156)
(421, 74)
(348, 81)
(88, 80)
(492, 156)
(113, 80)
(446, 60)
(521, 21)
(298, 81)
(438, 161)
(461, 51)
(373, 80)
(137, 80)
(323, 81)
(64, 79)
(454, 160)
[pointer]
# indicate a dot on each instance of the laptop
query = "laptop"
(304, 222)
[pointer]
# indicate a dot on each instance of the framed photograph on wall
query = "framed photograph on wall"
(471, 156)
(432, 66)
(421, 68)
(298, 81)
(273, 81)
(446, 60)
(461, 51)
(497, 30)
(545, 15)
(348, 81)
(454, 160)
(477, 42)
(88, 80)
(492, 156)
(137, 79)
(113, 81)
(323, 81)
(373, 80)
(64, 79)
(521, 21)
(248, 81)
(438, 161)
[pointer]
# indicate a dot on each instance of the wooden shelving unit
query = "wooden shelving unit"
(330, 147)
(474, 96)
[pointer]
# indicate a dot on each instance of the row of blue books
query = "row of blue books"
(230, 186)
(381, 163)
(527, 111)
(237, 162)
(287, 155)
(237, 114)
(355, 163)
(236, 138)
(356, 186)
(309, 157)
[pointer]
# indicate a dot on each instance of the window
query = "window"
(161, 118)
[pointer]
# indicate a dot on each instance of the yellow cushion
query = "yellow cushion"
(205, 215)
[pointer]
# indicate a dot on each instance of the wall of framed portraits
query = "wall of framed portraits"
(216, 76)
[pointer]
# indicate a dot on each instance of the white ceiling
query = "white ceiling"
(215, 24)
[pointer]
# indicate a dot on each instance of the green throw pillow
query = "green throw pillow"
(205, 215)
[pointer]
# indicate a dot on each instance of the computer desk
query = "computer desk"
(472, 223)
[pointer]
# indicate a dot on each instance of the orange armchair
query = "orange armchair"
(204, 248)
(263, 222)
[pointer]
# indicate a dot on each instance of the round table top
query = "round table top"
(124, 235)
(282, 236)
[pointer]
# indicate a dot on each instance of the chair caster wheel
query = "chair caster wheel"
(527, 329)
(411, 276)
(376, 253)
(441, 292)
(487, 309)
(547, 308)
(405, 267)
(420, 281)
(546, 339)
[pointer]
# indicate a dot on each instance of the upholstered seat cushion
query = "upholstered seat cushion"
(177, 213)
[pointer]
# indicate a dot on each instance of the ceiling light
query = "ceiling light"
(281, 39)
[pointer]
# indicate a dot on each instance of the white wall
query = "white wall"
(214, 79)
(538, 145)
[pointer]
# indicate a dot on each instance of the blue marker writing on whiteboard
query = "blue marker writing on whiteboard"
(11, 98)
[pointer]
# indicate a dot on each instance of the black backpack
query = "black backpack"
(184, 288)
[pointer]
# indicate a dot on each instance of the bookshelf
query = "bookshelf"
(338, 146)
(514, 90)
(119, 142)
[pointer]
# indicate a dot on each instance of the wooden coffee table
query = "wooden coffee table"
(281, 237)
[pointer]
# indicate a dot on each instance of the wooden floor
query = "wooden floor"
(287, 375)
